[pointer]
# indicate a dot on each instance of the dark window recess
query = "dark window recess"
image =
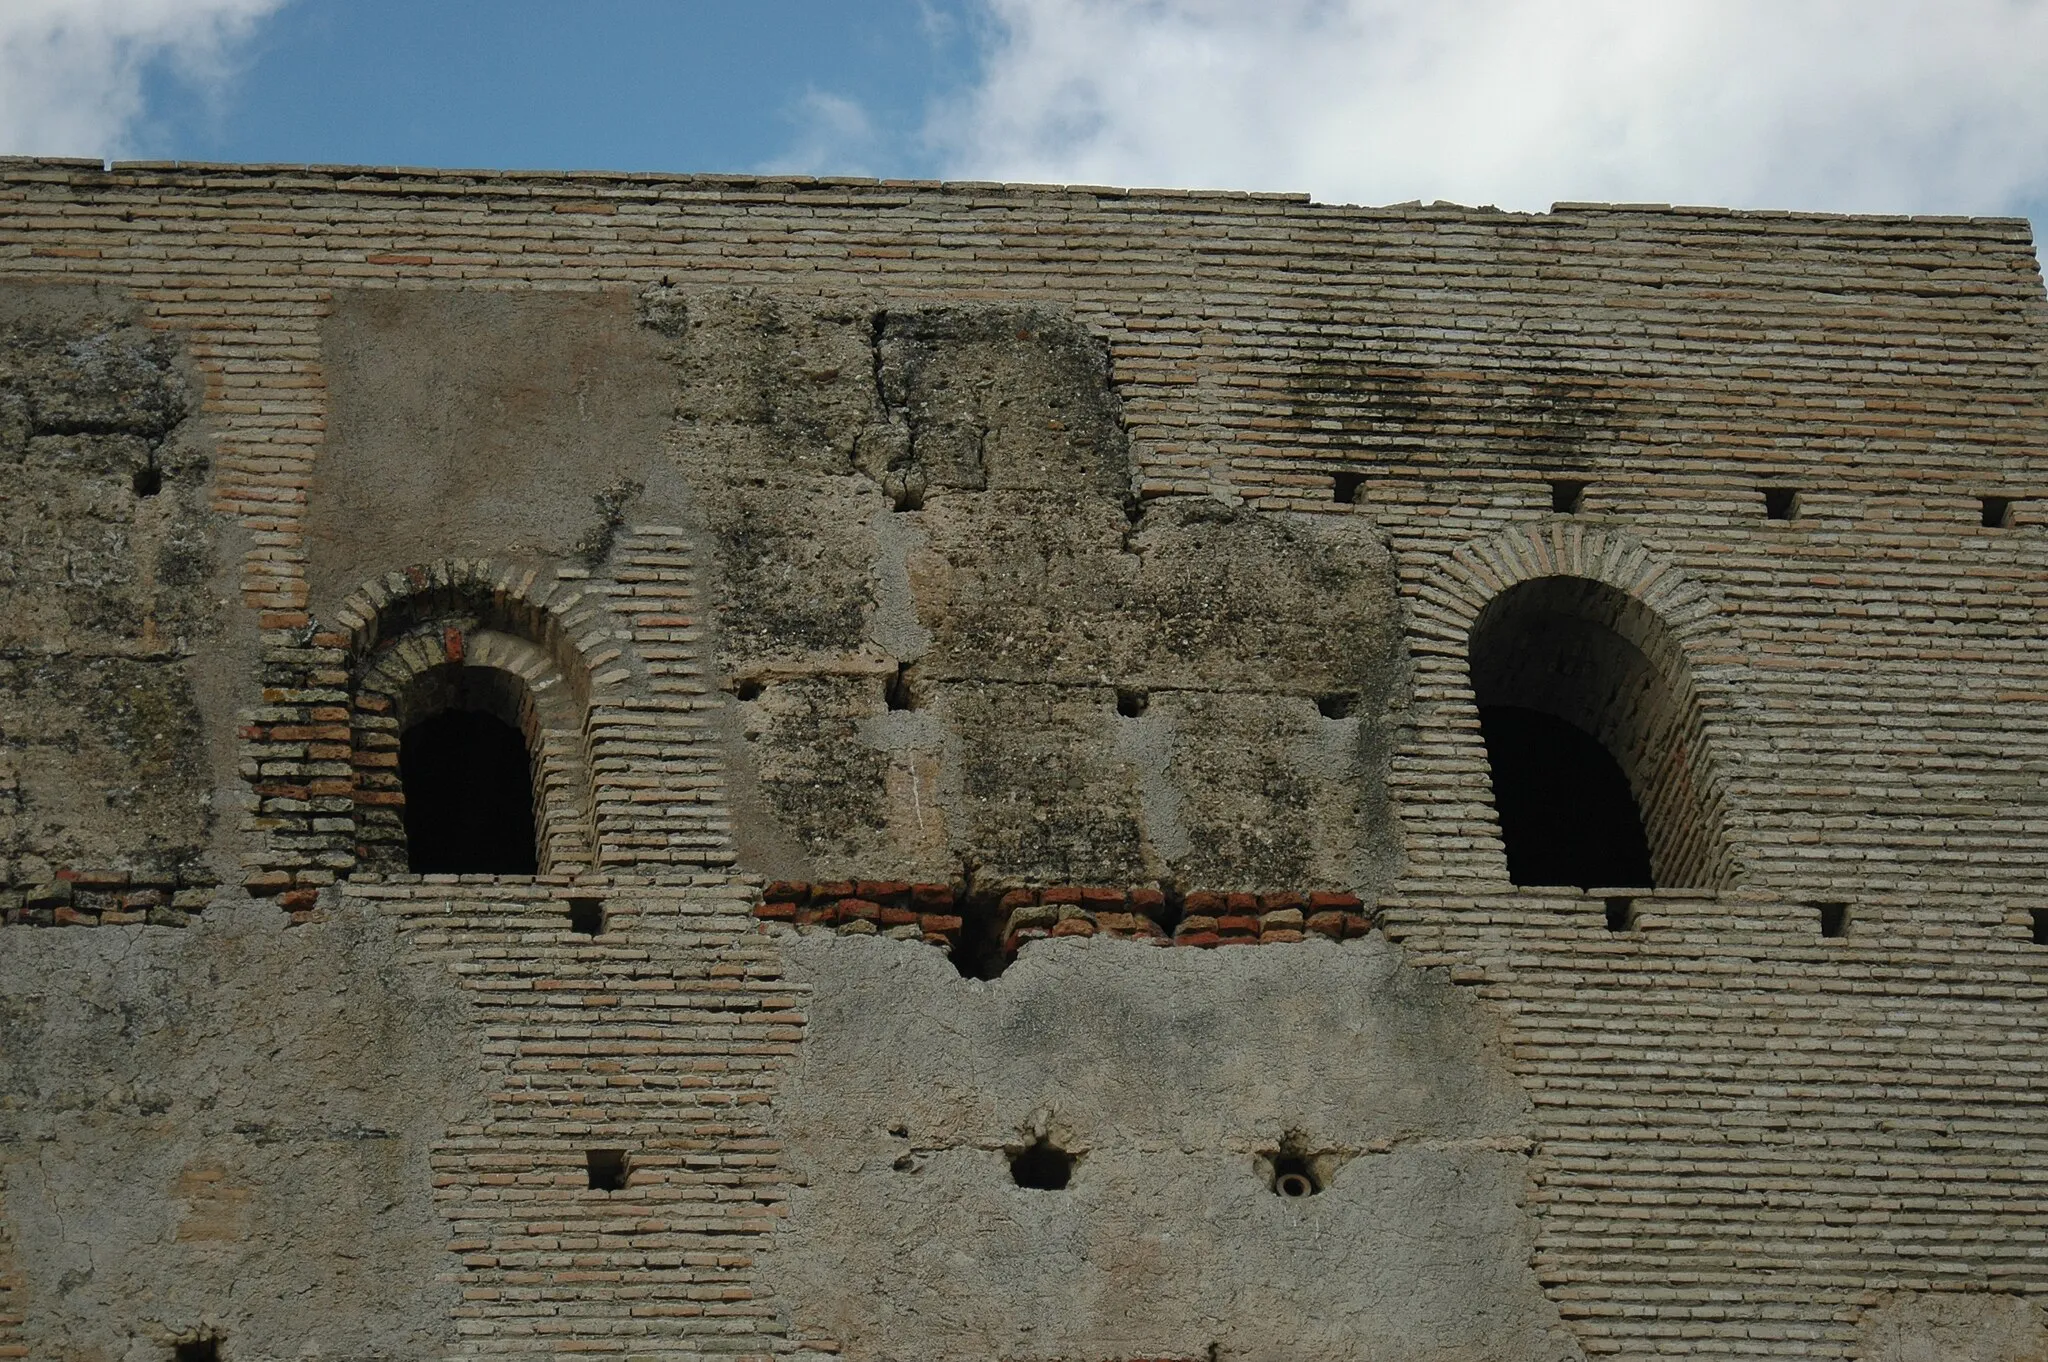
(1337, 706)
(196, 1350)
(749, 689)
(1345, 487)
(1997, 513)
(607, 1169)
(1292, 1176)
(1132, 703)
(1042, 1166)
(468, 796)
(2040, 916)
(1781, 503)
(1834, 918)
(1567, 816)
(1621, 915)
(148, 480)
(587, 916)
(896, 691)
(1567, 496)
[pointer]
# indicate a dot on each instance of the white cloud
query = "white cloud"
(71, 71)
(1855, 105)
(835, 137)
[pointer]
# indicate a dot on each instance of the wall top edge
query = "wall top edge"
(87, 172)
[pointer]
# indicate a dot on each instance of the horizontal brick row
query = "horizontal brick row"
(111, 898)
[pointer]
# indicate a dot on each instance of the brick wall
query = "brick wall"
(1747, 1131)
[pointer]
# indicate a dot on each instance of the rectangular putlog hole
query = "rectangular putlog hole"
(587, 916)
(2040, 918)
(1997, 513)
(608, 1169)
(1567, 496)
(1781, 503)
(1834, 918)
(1621, 915)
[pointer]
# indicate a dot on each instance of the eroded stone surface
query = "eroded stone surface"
(108, 555)
(933, 581)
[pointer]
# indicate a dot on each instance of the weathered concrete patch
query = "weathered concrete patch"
(229, 1127)
(1952, 1326)
(1173, 1075)
(450, 412)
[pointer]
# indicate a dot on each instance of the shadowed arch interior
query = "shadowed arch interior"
(1593, 740)
(467, 772)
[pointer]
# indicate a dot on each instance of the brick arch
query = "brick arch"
(559, 615)
(1611, 582)
(549, 653)
(527, 691)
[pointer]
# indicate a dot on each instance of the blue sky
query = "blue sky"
(1929, 106)
(663, 85)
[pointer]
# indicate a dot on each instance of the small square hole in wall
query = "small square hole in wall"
(1997, 513)
(2040, 916)
(587, 916)
(1621, 915)
(1336, 706)
(748, 688)
(1132, 703)
(1567, 496)
(608, 1169)
(1345, 488)
(196, 1350)
(1834, 918)
(148, 480)
(1781, 503)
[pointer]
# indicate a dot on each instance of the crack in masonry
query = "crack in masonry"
(877, 320)
(902, 476)
(41, 426)
(87, 427)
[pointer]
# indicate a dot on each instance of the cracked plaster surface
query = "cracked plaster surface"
(1173, 1077)
(265, 1099)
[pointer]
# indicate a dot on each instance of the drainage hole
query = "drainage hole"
(1042, 1166)
(1292, 1177)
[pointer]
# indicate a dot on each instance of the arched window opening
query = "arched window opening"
(464, 764)
(1593, 740)
(1567, 815)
